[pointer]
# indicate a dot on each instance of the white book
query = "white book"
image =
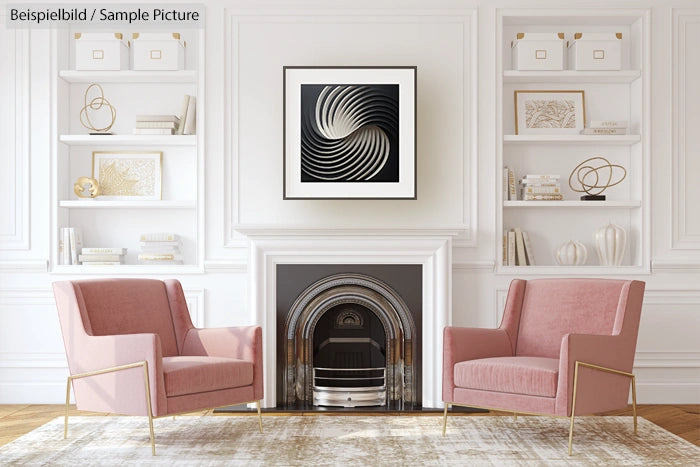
(505, 183)
(520, 248)
(159, 257)
(64, 242)
(160, 249)
(512, 193)
(539, 190)
(604, 131)
(529, 251)
(608, 124)
(98, 257)
(191, 117)
(157, 118)
(169, 125)
(75, 237)
(535, 177)
(102, 263)
(183, 114)
(158, 237)
(103, 251)
(511, 248)
(153, 131)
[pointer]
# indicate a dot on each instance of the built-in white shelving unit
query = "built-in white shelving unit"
(608, 95)
(117, 223)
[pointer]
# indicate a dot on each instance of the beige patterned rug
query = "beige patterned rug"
(349, 440)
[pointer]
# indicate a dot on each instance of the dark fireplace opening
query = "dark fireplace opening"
(349, 336)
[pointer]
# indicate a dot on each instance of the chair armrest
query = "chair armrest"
(102, 352)
(461, 344)
(609, 351)
(242, 343)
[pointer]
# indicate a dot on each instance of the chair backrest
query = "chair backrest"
(125, 306)
(552, 308)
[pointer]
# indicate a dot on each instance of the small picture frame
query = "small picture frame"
(545, 112)
(128, 175)
(349, 132)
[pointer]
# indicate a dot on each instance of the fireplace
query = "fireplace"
(349, 336)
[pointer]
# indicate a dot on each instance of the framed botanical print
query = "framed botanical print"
(349, 132)
(125, 175)
(549, 112)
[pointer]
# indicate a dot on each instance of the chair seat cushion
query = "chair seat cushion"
(194, 374)
(535, 376)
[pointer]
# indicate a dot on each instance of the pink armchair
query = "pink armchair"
(565, 347)
(132, 350)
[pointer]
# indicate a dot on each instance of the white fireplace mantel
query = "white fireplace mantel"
(431, 248)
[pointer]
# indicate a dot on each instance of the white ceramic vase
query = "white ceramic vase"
(571, 253)
(610, 243)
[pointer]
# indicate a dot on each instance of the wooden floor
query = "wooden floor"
(682, 420)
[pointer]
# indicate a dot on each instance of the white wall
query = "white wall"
(453, 44)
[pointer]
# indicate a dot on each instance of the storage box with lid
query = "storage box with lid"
(596, 51)
(538, 51)
(158, 51)
(101, 51)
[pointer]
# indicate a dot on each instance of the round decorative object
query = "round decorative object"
(95, 104)
(594, 176)
(572, 253)
(86, 187)
(610, 243)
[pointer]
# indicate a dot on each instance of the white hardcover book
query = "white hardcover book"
(604, 131)
(191, 118)
(64, 242)
(159, 257)
(157, 118)
(183, 114)
(159, 237)
(512, 193)
(529, 252)
(543, 197)
(153, 131)
(520, 247)
(505, 183)
(168, 125)
(608, 124)
(511, 248)
(103, 251)
(540, 190)
(98, 257)
(102, 263)
(76, 243)
(536, 177)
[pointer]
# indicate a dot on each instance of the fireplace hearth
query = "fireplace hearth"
(349, 339)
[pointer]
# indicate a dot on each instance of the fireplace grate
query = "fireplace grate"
(349, 387)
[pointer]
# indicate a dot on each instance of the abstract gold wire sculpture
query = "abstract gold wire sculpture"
(590, 180)
(95, 104)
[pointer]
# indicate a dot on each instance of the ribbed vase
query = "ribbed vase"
(610, 243)
(571, 253)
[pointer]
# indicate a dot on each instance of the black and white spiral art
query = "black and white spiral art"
(349, 133)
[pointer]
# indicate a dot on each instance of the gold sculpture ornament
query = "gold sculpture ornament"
(595, 175)
(86, 187)
(95, 104)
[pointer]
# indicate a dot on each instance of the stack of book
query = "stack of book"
(98, 256)
(540, 188)
(160, 248)
(156, 125)
(70, 242)
(517, 249)
(607, 127)
(188, 117)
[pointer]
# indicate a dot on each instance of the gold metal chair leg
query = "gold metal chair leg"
(65, 423)
(257, 403)
(444, 420)
(148, 407)
(634, 404)
(515, 415)
(573, 409)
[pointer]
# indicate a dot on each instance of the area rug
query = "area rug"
(348, 440)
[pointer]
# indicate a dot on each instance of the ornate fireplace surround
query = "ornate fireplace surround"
(429, 248)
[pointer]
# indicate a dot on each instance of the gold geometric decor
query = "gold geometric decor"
(594, 176)
(96, 104)
(135, 175)
(86, 187)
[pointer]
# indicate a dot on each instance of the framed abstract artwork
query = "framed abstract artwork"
(549, 112)
(125, 175)
(349, 132)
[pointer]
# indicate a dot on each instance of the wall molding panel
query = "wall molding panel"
(14, 130)
(685, 99)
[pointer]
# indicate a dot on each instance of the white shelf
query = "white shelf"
(128, 76)
(129, 140)
(168, 269)
(129, 204)
(582, 270)
(571, 76)
(572, 204)
(580, 139)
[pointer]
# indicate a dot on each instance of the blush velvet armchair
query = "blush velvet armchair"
(565, 347)
(132, 350)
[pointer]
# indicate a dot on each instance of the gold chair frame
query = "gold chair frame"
(573, 403)
(147, 387)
